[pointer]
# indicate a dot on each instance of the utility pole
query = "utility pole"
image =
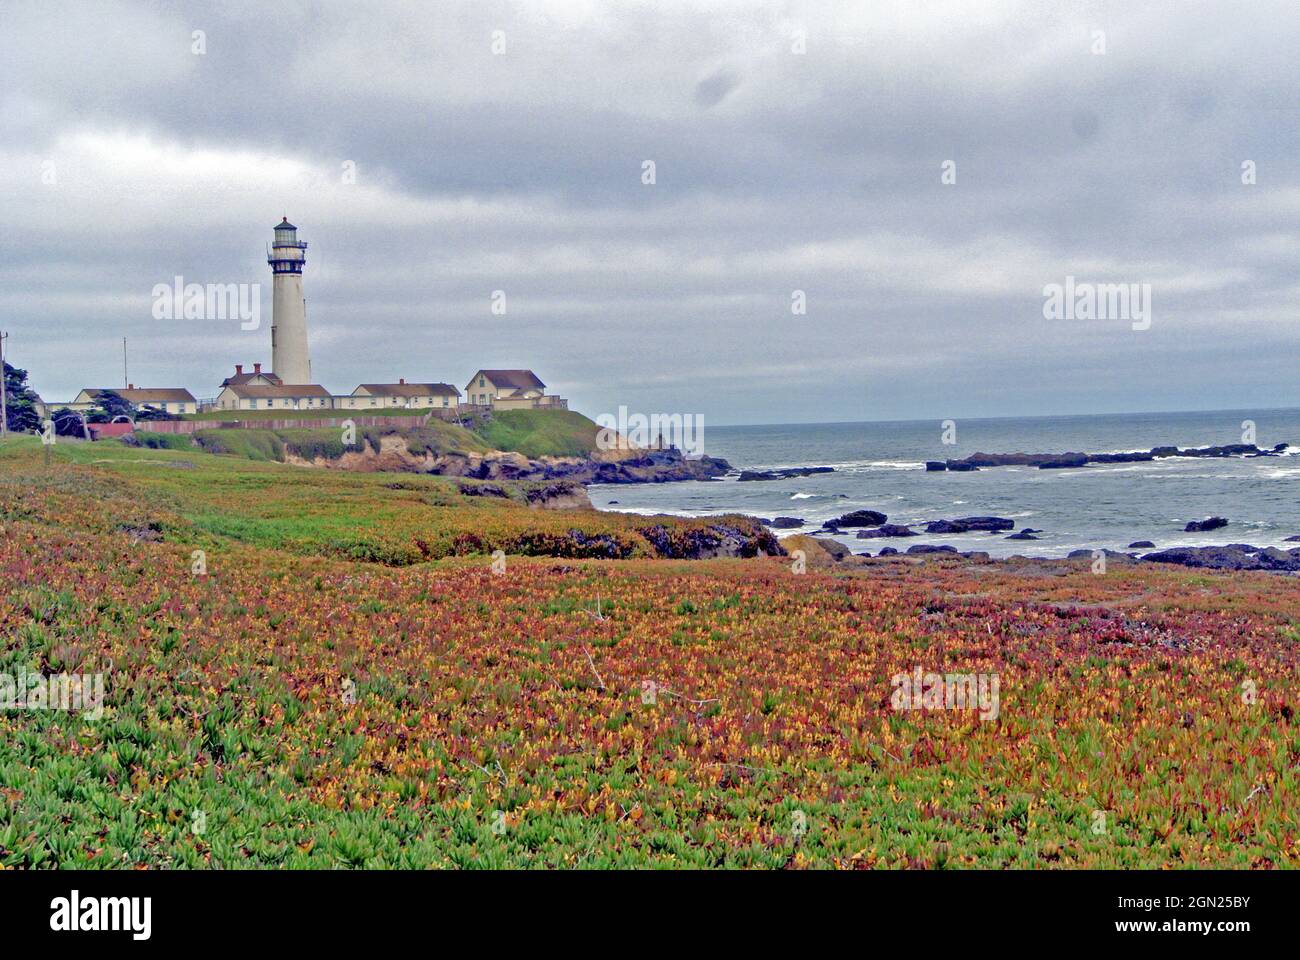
(125, 382)
(4, 389)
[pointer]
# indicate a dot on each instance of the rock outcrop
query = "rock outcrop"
(785, 474)
(1235, 556)
(967, 524)
(786, 523)
(719, 539)
(887, 530)
(1025, 534)
(857, 518)
(650, 466)
(817, 551)
(1060, 461)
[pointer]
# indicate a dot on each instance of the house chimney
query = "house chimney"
(257, 368)
(401, 380)
(239, 369)
(130, 386)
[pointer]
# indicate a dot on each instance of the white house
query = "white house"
(401, 395)
(510, 390)
(167, 399)
(285, 396)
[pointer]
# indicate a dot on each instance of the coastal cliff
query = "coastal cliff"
(394, 453)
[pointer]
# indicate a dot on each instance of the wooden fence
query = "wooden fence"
(293, 423)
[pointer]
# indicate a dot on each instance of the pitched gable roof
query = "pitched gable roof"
(242, 378)
(516, 379)
(147, 395)
(409, 390)
(285, 391)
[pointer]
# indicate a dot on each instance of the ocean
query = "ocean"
(881, 466)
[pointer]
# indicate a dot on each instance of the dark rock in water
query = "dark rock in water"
(967, 524)
(1227, 450)
(931, 548)
(786, 474)
(786, 523)
(933, 465)
(1294, 539)
(1121, 457)
(1200, 526)
(1141, 544)
(992, 524)
(887, 530)
(977, 460)
(1058, 461)
(1065, 461)
(888, 552)
(1233, 557)
(858, 518)
(612, 502)
(1025, 534)
(945, 526)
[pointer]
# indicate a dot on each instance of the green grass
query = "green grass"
(435, 438)
(541, 433)
(249, 444)
(165, 441)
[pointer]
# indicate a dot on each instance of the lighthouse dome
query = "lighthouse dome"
(285, 225)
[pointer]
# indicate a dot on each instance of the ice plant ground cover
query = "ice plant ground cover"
(293, 707)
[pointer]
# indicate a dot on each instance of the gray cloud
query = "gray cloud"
(776, 171)
(715, 88)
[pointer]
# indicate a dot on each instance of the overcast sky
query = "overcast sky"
(126, 159)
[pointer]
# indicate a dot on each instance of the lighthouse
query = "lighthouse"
(289, 358)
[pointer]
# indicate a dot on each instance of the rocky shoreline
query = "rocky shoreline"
(871, 524)
(1232, 557)
(1061, 461)
(559, 483)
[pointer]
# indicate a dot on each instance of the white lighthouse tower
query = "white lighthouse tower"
(289, 358)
